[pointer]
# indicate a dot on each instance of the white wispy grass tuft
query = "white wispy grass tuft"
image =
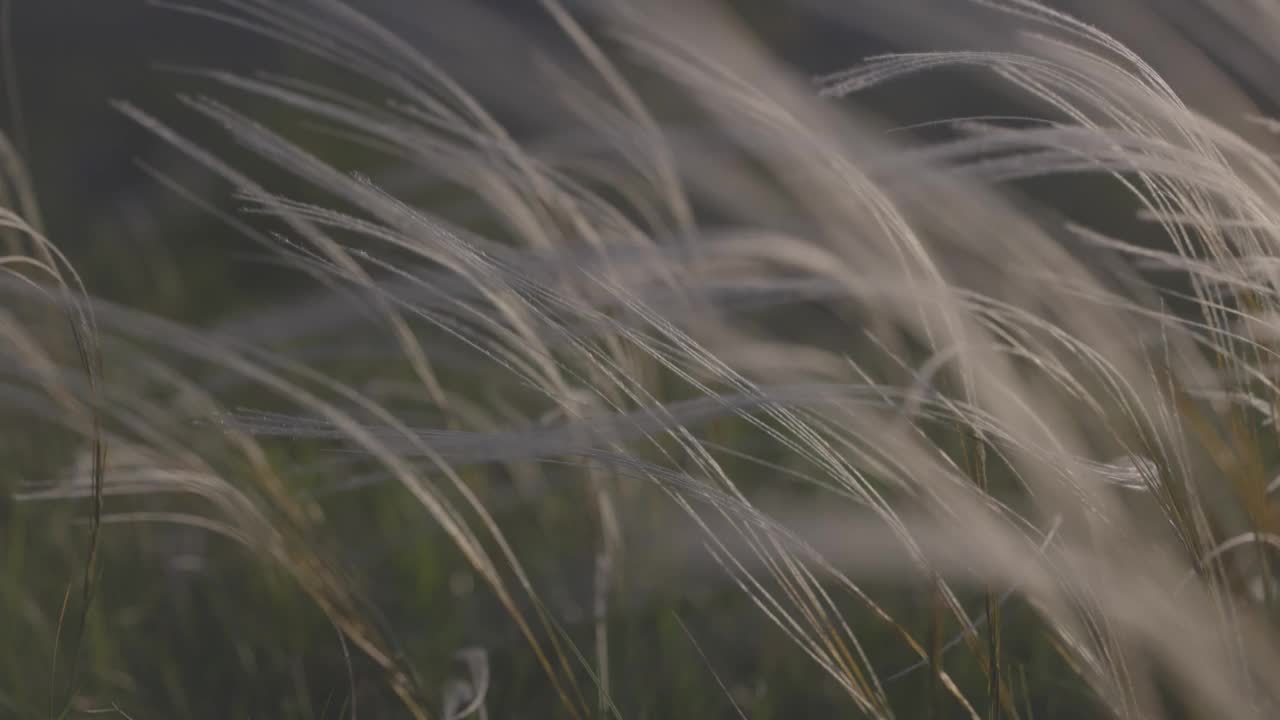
(847, 357)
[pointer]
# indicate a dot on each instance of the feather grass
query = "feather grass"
(942, 383)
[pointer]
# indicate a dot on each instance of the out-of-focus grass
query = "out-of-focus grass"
(188, 623)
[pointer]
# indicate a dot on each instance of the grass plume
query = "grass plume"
(688, 320)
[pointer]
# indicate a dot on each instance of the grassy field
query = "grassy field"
(654, 360)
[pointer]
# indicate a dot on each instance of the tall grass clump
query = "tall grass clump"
(635, 371)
